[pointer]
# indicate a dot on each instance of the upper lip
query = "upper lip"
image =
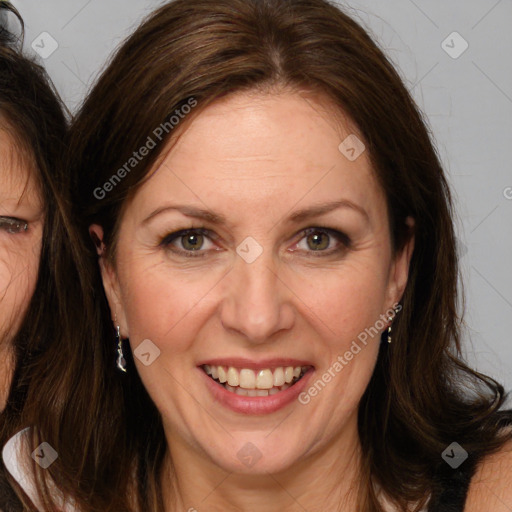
(240, 362)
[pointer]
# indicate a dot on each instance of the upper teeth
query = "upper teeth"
(250, 379)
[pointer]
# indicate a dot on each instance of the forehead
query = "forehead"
(17, 177)
(285, 127)
(256, 149)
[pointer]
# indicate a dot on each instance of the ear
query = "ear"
(400, 267)
(110, 281)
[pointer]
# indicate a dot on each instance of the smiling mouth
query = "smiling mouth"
(247, 382)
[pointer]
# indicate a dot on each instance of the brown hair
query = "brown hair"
(34, 118)
(421, 396)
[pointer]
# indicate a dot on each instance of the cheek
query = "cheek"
(18, 276)
(344, 308)
(346, 300)
(161, 304)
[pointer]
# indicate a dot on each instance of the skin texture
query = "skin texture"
(19, 251)
(257, 159)
(490, 486)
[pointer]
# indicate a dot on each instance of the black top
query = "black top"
(453, 484)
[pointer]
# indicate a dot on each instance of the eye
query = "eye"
(198, 241)
(12, 225)
(320, 240)
(187, 242)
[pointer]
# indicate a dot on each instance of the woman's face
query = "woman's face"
(288, 265)
(21, 222)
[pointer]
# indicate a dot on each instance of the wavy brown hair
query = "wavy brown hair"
(59, 310)
(422, 395)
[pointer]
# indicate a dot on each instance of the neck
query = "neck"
(327, 479)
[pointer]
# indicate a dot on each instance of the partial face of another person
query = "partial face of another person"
(21, 223)
(258, 253)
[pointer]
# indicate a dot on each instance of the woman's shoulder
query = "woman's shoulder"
(491, 485)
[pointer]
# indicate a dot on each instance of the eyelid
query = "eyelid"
(19, 224)
(336, 233)
(182, 232)
(339, 235)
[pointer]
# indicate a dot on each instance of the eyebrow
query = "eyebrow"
(295, 218)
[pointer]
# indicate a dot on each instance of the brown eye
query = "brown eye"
(12, 225)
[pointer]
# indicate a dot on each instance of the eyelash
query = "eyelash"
(341, 237)
(12, 225)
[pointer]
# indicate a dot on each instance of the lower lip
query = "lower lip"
(256, 404)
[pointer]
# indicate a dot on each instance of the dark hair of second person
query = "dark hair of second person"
(34, 126)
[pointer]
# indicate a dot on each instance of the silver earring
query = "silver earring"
(121, 363)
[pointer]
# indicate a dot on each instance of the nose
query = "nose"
(257, 302)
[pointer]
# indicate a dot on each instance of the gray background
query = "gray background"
(468, 102)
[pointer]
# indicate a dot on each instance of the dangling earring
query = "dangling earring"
(390, 319)
(121, 363)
